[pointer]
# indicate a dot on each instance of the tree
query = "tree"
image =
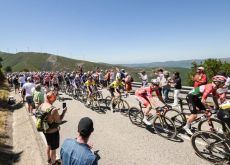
(1, 62)
(1, 73)
(191, 73)
(8, 69)
(211, 68)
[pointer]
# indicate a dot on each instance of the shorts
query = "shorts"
(111, 90)
(143, 99)
(29, 100)
(196, 102)
(52, 140)
(16, 86)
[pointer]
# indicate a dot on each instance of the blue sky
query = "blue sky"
(117, 31)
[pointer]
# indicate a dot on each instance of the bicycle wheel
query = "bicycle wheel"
(99, 95)
(108, 100)
(136, 116)
(218, 126)
(210, 146)
(164, 127)
(123, 106)
(96, 105)
(177, 117)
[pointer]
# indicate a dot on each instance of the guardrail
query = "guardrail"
(184, 90)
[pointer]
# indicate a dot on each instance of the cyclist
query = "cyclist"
(90, 85)
(203, 91)
(144, 95)
(115, 87)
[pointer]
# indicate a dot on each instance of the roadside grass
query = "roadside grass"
(4, 112)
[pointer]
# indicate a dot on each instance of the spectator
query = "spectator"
(144, 78)
(16, 84)
(128, 83)
(21, 80)
(176, 83)
(200, 77)
(101, 77)
(159, 78)
(52, 134)
(107, 77)
(38, 96)
(165, 84)
(77, 151)
(28, 93)
(112, 75)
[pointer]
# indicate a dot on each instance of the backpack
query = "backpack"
(41, 119)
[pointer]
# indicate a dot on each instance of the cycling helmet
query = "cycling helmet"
(219, 78)
(155, 82)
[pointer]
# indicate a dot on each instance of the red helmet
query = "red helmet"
(219, 78)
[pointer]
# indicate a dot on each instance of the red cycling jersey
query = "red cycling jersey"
(141, 94)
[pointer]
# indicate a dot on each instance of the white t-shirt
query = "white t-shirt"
(28, 87)
(21, 80)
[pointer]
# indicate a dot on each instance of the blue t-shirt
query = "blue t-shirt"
(74, 153)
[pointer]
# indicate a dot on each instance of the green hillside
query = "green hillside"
(48, 62)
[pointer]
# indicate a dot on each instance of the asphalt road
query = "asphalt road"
(121, 143)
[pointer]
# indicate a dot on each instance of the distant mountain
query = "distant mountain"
(44, 61)
(181, 63)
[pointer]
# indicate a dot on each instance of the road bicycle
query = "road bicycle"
(211, 146)
(92, 101)
(161, 123)
(119, 103)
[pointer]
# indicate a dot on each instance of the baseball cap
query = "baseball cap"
(85, 126)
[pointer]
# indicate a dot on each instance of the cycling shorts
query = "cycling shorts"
(143, 99)
(195, 101)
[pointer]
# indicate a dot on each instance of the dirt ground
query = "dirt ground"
(6, 148)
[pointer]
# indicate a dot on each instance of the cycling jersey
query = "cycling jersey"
(204, 91)
(146, 91)
(142, 93)
(89, 83)
(116, 84)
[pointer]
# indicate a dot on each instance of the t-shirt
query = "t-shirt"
(28, 87)
(75, 153)
(22, 80)
(177, 81)
(15, 81)
(38, 97)
(200, 79)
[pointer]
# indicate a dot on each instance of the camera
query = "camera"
(63, 105)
